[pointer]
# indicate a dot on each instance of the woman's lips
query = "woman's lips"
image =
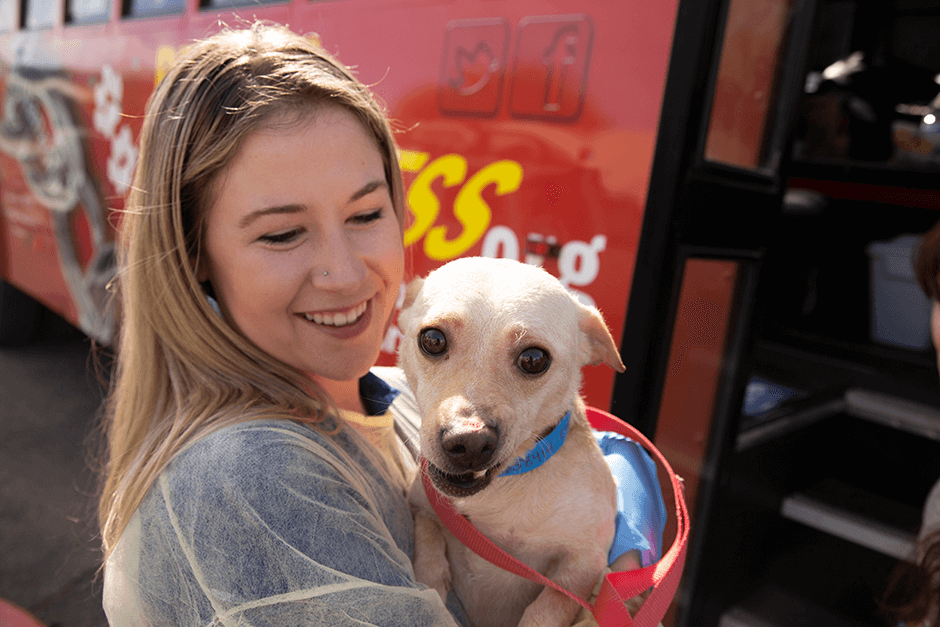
(338, 318)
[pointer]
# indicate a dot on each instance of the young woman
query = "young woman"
(913, 597)
(254, 476)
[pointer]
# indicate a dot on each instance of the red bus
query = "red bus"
(717, 176)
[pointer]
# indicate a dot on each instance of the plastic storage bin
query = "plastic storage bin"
(900, 313)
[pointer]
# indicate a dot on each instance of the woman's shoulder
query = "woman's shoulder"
(242, 459)
(277, 471)
(230, 445)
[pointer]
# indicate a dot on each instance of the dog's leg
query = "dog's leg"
(430, 560)
(431, 566)
(552, 608)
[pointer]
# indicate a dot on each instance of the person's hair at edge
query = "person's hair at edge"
(913, 591)
(181, 370)
(927, 263)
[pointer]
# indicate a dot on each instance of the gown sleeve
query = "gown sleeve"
(269, 524)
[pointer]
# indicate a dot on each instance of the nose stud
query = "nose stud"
(325, 273)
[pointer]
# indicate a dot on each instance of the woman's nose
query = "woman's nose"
(339, 265)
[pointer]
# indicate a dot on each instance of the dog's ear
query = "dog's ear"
(411, 292)
(599, 346)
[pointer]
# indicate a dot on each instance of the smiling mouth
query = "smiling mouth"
(338, 318)
(462, 485)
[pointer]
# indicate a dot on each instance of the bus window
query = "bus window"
(87, 11)
(39, 14)
(151, 8)
(7, 15)
(752, 52)
(218, 4)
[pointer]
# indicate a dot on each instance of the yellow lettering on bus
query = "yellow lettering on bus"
(473, 213)
(412, 160)
(166, 55)
(423, 202)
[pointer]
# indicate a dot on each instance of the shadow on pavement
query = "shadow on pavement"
(49, 402)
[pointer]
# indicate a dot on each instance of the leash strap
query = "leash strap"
(617, 588)
(664, 575)
(470, 536)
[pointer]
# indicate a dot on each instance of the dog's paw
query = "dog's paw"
(634, 604)
(430, 562)
(434, 574)
(441, 589)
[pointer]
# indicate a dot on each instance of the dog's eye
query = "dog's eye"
(534, 360)
(432, 341)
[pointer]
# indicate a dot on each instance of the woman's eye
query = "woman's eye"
(534, 360)
(366, 218)
(281, 238)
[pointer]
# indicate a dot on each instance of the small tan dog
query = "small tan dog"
(493, 350)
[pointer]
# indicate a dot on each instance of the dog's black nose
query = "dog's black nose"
(469, 448)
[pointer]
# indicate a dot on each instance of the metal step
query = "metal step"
(863, 531)
(894, 412)
(773, 606)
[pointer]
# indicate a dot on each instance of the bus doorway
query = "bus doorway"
(793, 383)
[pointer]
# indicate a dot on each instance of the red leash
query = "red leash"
(608, 609)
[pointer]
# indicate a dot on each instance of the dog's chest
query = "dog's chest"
(523, 519)
(496, 597)
(541, 540)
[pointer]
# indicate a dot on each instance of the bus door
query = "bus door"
(715, 191)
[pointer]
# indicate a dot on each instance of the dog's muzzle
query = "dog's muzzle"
(466, 446)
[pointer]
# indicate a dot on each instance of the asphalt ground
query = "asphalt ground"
(49, 548)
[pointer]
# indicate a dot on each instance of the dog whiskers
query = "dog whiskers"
(537, 436)
(410, 439)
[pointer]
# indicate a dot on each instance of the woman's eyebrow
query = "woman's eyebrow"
(367, 189)
(254, 215)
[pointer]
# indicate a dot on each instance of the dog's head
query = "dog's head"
(493, 350)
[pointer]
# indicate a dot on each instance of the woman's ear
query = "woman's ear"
(201, 269)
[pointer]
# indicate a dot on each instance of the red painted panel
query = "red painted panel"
(696, 360)
(527, 131)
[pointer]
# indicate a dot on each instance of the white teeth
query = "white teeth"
(340, 319)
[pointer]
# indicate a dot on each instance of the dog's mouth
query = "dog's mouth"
(461, 485)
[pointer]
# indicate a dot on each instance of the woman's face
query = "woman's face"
(303, 246)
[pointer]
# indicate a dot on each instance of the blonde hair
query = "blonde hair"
(182, 371)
